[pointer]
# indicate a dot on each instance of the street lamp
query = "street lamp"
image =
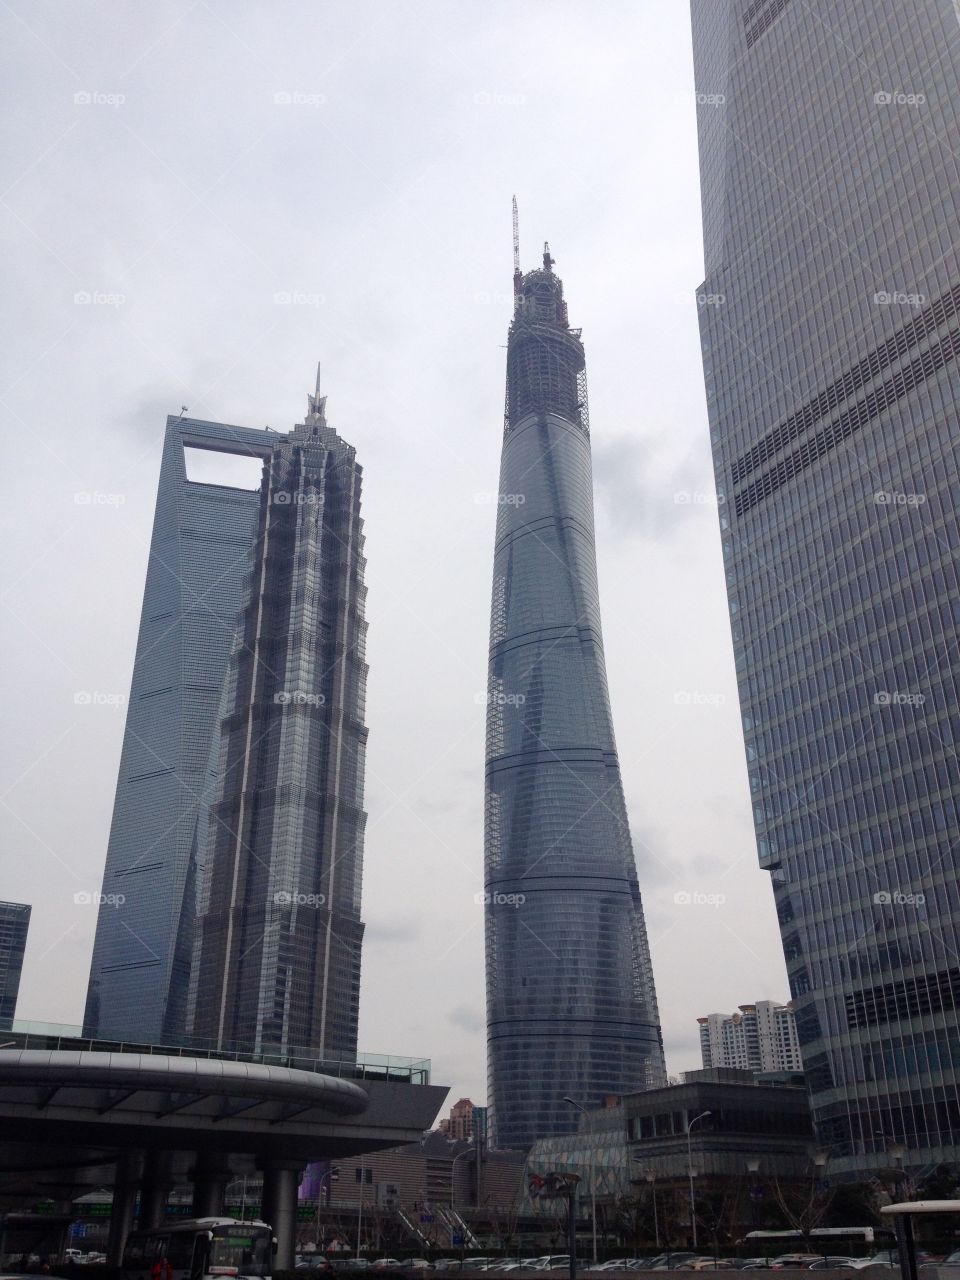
(652, 1179)
(693, 1207)
(753, 1168)
(593, 1185)
(329, 1175)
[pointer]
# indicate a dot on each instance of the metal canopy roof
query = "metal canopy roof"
(64, 1109)
(922, 1206)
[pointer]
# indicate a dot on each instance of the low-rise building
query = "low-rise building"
(746, 1139)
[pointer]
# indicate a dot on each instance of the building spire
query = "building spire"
(317, 405)
(516, 248)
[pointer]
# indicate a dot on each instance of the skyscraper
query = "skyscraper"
(571, 1006)
(198, 554)
(14, 923)
(277, 951)
(829, 324)
(207, 816)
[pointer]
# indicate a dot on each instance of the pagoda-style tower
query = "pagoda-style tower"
(277, 954)
(571, 1006)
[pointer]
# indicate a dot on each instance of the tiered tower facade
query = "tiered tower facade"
(277, 953)
(571, 1005)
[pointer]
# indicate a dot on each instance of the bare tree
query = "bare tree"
(803, 1203)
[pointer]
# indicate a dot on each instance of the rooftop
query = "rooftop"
(367, 1066)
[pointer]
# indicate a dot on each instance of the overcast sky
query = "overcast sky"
(187, 166)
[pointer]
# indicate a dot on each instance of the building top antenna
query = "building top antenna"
(516, 248)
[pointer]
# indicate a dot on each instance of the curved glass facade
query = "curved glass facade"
(571, 1007)
(830, 323)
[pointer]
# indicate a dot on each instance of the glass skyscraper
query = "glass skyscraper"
(199, 550)
(571, 1006)
(277, 959)
(240, 792)
(830, 326)
(14, 923)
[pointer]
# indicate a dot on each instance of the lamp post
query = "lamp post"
(753, 1168)
(904, 1186)
(693, 1206)
(593, 1185)
(652, 1179)
(329, 1175)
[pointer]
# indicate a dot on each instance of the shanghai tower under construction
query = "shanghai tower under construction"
(571, 1004)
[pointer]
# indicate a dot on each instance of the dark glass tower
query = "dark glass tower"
(198, 552)
(277, 952)
(571, 1006)
(830, 323)
(14, 923)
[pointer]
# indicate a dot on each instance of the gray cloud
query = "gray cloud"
(199, 199)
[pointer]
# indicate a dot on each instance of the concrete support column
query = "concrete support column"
(124, 1202)
(210, 1174)
(281, 1178)
(155, 1187)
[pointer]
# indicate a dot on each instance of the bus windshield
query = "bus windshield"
(239, 1252)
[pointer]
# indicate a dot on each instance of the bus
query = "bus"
(200, 1247)
(825, 1239)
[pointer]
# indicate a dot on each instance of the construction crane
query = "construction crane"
(516, 248)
